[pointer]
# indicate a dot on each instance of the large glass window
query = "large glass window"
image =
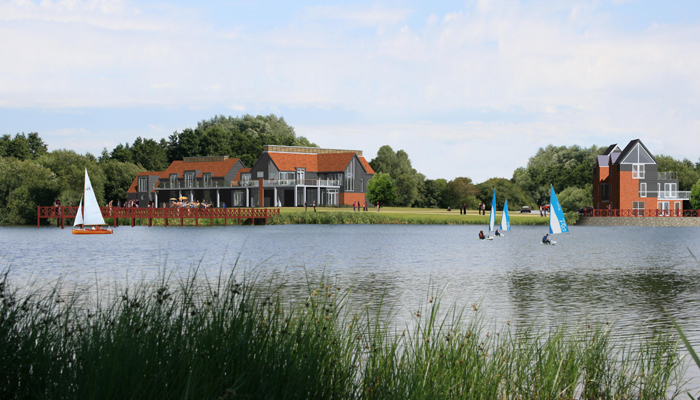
(207, 179)
(245, 177)
(239, 198)
(189, 179)
(143, 184)
(643, 189)
(332, 197)
(173, 180)
(350, 177)
(638, 171)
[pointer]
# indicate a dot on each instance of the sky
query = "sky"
(466, 88)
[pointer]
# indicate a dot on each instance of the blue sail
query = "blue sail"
(492, 217)
(557, 222)
(505, 218)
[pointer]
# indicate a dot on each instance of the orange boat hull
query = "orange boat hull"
(91, 232)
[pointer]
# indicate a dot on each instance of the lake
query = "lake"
(621, 274)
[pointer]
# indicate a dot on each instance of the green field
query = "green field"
(401, 215)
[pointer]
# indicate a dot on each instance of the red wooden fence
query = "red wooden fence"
(132, 213)
(641, 213)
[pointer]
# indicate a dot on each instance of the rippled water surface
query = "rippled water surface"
(625, 274)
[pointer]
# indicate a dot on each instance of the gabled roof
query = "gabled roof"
(218, 169)
(334, 162)
(132, 188)
(610, 149)
(603, 161)
(630, 146)
(241, 171)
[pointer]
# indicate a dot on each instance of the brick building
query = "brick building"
(629, 179)
(291, 176)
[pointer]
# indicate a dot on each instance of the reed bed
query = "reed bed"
(340, 217)
(228, 339)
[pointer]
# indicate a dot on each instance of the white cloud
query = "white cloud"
(504, 71)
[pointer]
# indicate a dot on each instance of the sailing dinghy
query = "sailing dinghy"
(505, 219)
(89, 214)
(557, 222)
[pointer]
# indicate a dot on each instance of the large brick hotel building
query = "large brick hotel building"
(629, 179)
(290, 175)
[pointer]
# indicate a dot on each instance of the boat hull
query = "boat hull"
(92, 232)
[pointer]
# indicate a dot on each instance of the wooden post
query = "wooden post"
(150, 216)
(37, 217)
(196, 216)
(133, 216)
(261, 193)
(63, 217)
(211, 217)
(239, 216)
(225, 219)
(166, 214)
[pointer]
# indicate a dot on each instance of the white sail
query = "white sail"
(505, 218)
(492, 216)
(557, 222)
(79, 215)
(93, 215)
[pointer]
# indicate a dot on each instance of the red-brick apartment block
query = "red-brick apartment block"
(629, 179)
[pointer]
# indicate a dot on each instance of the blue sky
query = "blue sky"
(467, 88)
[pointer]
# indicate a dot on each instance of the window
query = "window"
(261, 174)
(349, 177)
(332, 197)
(239, 198)
(643, 189)
(173, 178)
(638, 171)
(362, 185)
(245, 177)
(207, 179)
(637, 205)
(189, 179)
(606, 190)
(143, 184)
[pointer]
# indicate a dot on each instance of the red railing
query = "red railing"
(133, 213)
(641, 213)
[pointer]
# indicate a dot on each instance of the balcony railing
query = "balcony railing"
(675, 195)
(250, 183)
(668, 176)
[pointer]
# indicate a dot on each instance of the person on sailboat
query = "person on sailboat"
(546, 240)
(481, 235)
(497, 233)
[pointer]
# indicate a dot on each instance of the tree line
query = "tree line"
(31, 175)
(568, 168)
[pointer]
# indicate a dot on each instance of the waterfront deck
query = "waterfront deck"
(132, 213)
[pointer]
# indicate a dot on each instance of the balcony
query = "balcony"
(673, 195)
(250, 183)
(665, 176)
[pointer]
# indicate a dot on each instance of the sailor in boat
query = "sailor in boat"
(546, 240)
(497, 233)
(481, 235)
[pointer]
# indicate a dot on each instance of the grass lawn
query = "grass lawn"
(438, 215)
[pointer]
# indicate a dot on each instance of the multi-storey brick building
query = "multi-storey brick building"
(629, 179)
(291, 176)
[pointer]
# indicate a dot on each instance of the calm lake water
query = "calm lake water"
(623, 274)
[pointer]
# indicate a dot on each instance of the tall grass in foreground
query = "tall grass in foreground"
(229, 339)
(340, 217)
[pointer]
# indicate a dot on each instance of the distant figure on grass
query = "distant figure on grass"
(460, 209)
(353, 206)
(541, 212)
(305, 206)
(377, 206)
(314, 203)
(481, 235)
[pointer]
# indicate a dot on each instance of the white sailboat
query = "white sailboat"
(505, 219)
(89, 214)
(557, 222)
(492, 215)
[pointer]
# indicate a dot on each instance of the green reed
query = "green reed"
(340, 217)
(195, 338)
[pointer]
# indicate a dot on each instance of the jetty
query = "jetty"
(62, 213)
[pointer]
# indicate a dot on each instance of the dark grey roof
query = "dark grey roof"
(615, 156)
(603, 161)
(610, 149)
(629, 148)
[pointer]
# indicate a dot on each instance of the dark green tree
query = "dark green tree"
(695, 196)
(574, 198)
(688, 173)
(505, 189)
(430, 194)
(69, 169)
(118, 177)
(22, 147)
(398, 166)
(461, 191)
(24, 185)
(381, 188)
(150, 154)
